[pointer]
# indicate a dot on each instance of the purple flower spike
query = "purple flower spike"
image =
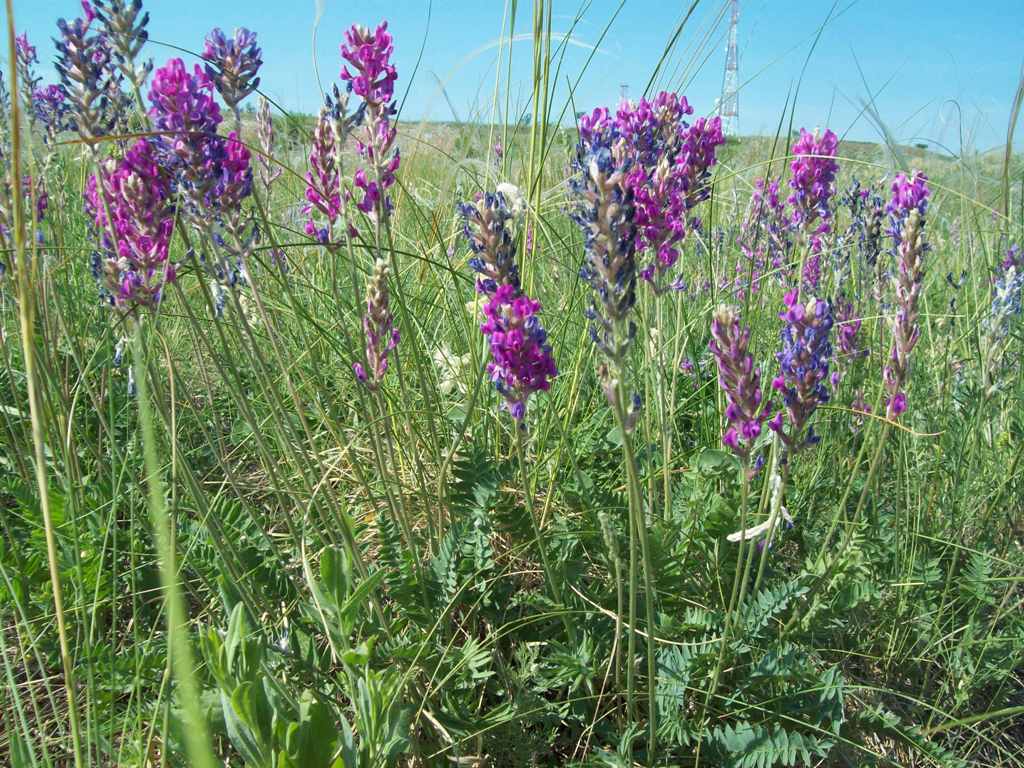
(740, 381)
(700, 142)
(814, 172)
(51, 109)
(605, 212)
(379, 326)
(233, 63)
(323, 179)
(85, 65)
(234, 181)
(25, 51)
(184, 109)
(521, 359)
(372, 78)
(487, 228)
(804, 361)
(907, 209)
(124, 23)
(134, 266)
(668, 162)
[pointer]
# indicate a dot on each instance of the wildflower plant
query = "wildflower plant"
(740, 380)
(804, 362)
(487, 225)
(813, 173)
(521, 358)
(371, 76)
(233, 64)
(132, 266)
(605, 213)
(124, 23)
(325, 193)
(84, 63)
(907, 208)
(382, 336)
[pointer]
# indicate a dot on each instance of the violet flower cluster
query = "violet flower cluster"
(91, 86)
(867, 213)
(124, 23)
(232, 64)
(813, 170)
(379, 327)
(212, 173)
(605, 213)
(804, 363)
(51, 110)
(183, 108)
(134, 266)
(848, 325)
(521, 358)
(907, 208)
(486, 224)
(740, 380)
(670, 163)
(324, 192)
(372, 77)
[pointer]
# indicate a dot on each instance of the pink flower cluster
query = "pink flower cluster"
(372, 77)
(739, 379)
(669, 162)
(138, 231)
(183, 106)
(521, 359)
(323, 179)
(814, 172)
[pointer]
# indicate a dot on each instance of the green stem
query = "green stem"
(638, 530)
(26, 316)
(197, 738)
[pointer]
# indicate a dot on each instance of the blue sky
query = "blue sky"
(938, 70)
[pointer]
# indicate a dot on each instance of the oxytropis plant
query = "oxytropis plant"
(804, 363)
(212, 173)
(907, 208)
(522, 361)
(130, 202)
(746, 410)
(812, 181)
(372, 77)
(670, 164)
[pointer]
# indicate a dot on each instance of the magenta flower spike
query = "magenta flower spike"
(133, 267)
(324, 194)
(907, 208)
(740, 380)
(814, 172)
(372, 77)
(184, 108)
(521, 358)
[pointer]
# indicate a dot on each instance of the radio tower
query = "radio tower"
(728, 105)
